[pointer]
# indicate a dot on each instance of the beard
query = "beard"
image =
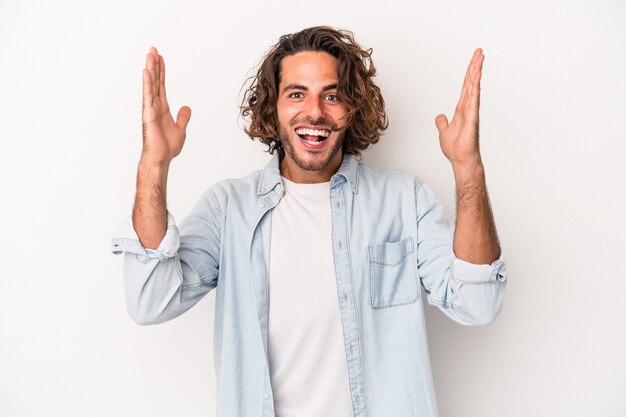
(318, 163)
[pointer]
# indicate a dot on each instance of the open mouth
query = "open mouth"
(313, 136)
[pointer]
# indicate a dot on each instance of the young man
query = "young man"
(317, 259)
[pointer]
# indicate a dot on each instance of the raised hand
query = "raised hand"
(475, 236)
(163, 138)
(459, 138)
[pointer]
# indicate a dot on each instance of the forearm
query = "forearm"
(150, 209)
(475, 236)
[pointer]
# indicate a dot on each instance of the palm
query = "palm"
(459, 138)
(163, 138)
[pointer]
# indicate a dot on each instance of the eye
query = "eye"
(296, 95)
(331, 97)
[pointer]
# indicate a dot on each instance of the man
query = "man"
(317, 259)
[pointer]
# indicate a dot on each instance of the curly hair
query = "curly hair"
(366, 119)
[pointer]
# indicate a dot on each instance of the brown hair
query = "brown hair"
(366, 119)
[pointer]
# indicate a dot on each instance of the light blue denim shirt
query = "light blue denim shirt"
(389, 235)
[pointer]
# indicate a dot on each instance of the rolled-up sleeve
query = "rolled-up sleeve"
(125, 239)
(470, 294)
(161, 284)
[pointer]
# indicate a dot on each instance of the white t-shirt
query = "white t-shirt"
(305, 341)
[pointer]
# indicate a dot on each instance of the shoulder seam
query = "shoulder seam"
(215, 205)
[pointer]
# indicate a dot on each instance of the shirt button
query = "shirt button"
(266, 396)
(279, 187)
(261, 205)
(345, 296)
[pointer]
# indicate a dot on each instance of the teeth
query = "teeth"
(313, 132)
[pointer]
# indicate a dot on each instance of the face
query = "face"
(309, 116)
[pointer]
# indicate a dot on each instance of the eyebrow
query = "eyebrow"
(302, 87)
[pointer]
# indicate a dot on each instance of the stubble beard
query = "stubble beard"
(314, 165)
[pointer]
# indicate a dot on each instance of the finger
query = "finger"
(441, 122)
(474, 99)
(468, 75)
(155, 56)
(477, 59)
(466, 90)
(161, 71)
(162, 77)
(147, 89)
(182, 119)
(150, 66)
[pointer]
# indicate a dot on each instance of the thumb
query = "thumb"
(184, 114)
(441, 122)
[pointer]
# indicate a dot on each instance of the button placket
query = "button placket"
(349, 312)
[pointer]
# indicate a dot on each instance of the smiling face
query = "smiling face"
(309, 116)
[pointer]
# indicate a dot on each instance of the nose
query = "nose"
(313, 108)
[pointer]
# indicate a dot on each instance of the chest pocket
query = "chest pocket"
(393, 273)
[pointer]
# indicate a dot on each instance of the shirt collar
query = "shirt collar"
(348, 171)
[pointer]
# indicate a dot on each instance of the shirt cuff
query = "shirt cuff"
(470, 273)
(125, 239)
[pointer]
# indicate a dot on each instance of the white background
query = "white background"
(552, 134)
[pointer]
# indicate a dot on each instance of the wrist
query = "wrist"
(152, 162)
(469, 171)
(152, 176)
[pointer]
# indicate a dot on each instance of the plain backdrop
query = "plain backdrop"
(553, 136)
